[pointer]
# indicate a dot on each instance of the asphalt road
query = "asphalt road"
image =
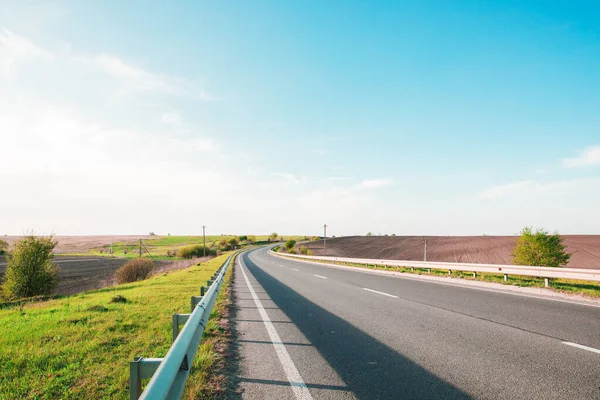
(78, 274)
(310, 331)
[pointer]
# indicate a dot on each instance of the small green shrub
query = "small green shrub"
(292, 250)
(290, 244)
(304, 250)
(3, 246)
(135, 270)
(196, 250)
(118, 299)
(30, 270)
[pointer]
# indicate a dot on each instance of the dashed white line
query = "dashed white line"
(580, 346)
(319, 276)
(377, 291)
(296, 382)
(295, 269)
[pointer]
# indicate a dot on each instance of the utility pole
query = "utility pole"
(425, 249)
(325, 240)
(140, 247)
(204, 236)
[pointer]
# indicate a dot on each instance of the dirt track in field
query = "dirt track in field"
(467, 249)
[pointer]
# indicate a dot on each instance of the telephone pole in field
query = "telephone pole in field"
(204, 236)
(425, 248)
(325, 240)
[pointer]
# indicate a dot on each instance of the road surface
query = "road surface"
(311, 331)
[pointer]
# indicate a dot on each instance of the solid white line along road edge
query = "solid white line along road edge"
(319, 276)
(580, 346)
(377, 291)
(293, 376)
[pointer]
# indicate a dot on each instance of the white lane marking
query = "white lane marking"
(295, 269)
(580, 346)
(293, 376)
(506, 290)
(377, 291)
(319, 276)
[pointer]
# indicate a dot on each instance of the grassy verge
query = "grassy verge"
(208, 378)
(80, 346)
(585, 288)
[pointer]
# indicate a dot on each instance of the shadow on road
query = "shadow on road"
(370, 369)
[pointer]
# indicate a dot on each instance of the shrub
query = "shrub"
(243, 238)
(118, 299)
(3, 246)
(29, 268)
(135, 270)
(251, 239)
(233, 243)
(304, 250)
(196, 250)
(290, 244)
(540, 249)
(292, 250)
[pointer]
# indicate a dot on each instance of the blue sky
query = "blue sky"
(424, 117)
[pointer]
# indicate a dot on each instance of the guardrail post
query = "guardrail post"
(505, 277)
(546, 282)
(203, 290)
(449, 272)
(179, 319)
(474, 274)
(135, 383)
(412, 269)
(141, 368)
(210, 282)
(195, 301)
(429, 270)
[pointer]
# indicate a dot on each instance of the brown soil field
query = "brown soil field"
(81, 244)
(79, 274)
(585, 249)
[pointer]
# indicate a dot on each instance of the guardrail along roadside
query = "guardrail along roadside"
(169, 374)
(539, 272)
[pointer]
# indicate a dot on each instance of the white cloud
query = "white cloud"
(15, 50)
(172, 118)
(135, 78)
(369, 184)
(289, 179)
(589, 156)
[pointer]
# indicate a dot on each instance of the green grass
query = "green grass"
(80, 346)
(158, 246)
(585, 288)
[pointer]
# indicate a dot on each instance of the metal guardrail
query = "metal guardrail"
(539, 272)
(169, 374)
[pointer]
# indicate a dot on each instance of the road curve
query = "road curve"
(309, 331)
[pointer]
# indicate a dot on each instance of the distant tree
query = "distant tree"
(393, 234)
(251, 239)
(243, 238)
(233, 243)
(370, 234)
(30, 270)
(3, 246)
(540, 248)
(152, 234)
(273, 237)
(290, 244)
